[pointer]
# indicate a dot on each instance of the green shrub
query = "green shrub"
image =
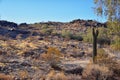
(55, 33)
(45, 26)
(47, 31)
(104, 41)
(77, 37)
(87, 37)
(114, 28)
(66, 34)
(116, 43)
(114, 34)
(102, 37)
(70, 35)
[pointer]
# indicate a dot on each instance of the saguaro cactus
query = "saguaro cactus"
(95, 33)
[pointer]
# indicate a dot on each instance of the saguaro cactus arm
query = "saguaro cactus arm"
(93, 31)
(97, 32)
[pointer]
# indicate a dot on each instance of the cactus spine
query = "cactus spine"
(95, 33)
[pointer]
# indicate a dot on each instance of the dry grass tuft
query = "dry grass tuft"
(105, 60)
(95, 72)
(23, 74)
(105, 65)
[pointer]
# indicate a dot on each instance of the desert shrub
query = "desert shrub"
(36, 25)
(55, 33)
(105, 60)
(52, 56)
(47, 31)
(87, 37)
(103, 37)
(101, 52)
(70, 35)
(111, 64)
(114, 28)
(116, 43)
(101, 57)
(45, 26)
(66, 34)
(96, 72)
(114, 34)
(77, 37)
(104, 41)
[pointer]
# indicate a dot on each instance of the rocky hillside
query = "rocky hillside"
(54, 51)
(12, 30)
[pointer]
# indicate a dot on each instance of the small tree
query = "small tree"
(108, 8)
(111, 10)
